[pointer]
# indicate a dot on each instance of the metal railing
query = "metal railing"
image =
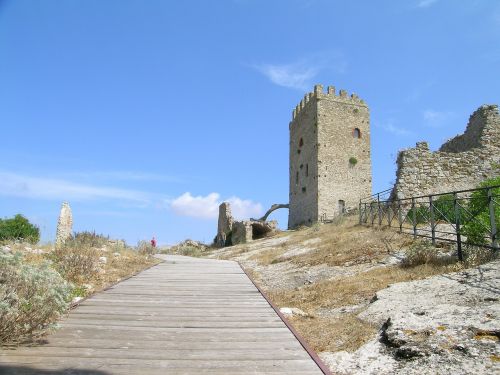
(467, 216)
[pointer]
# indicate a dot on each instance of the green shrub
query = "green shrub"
(477, 225)
(353, 161)
(90, 239)
(32, 298)
(444, 210)
(420, 252)
(19, 228)
(76, 261)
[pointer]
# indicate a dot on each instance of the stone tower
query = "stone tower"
(330, 165)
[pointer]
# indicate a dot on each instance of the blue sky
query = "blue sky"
(144, 115)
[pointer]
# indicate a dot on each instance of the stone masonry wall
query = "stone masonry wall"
(338, 179)
(322, 140)
(303, 190)
(461, 163)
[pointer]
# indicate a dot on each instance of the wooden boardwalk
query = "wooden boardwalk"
(184, 316)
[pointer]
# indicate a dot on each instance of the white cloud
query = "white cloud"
(17, 185)
(426, 3)
(297, 76)
(436, 118)
(244, 208)
(207, 207)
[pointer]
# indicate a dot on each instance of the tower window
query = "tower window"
(356, 133)
(307, 170)
(297, 178)
(304, 189)
(301, 142)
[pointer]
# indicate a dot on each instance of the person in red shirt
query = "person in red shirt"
(153, 242)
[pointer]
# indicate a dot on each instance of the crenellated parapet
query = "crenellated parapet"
(330, 94)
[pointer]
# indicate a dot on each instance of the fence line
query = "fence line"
(463, 217)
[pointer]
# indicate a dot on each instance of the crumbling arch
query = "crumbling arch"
(274, 207)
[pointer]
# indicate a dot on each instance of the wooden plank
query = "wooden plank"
(123, 343)
(160, 354)
(142, 364)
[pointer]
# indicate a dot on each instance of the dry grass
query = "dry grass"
(350, 243)
(270, 256)
(351, 290)
(334, 334)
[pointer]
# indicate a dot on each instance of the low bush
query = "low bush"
(91, 239)
(420, 252)
(76, 261)
(32, 298)
(19, 228)
(477, 226)
(444, 211)
(145, 248)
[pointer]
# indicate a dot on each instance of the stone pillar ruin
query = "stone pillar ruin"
(225, 224)
(64, 225)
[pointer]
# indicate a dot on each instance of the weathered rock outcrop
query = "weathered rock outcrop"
(446, 324)
(64, 225)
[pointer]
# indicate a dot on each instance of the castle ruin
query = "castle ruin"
(461, 163)
(330, 164)
(64, 225)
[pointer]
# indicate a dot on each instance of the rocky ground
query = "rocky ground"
(445, 324)
(346, 291)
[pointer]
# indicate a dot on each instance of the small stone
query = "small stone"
(292, 311)
(103, 260)
(76, 300)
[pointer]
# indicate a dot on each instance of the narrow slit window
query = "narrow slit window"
(297, 178)
(356, 133)
(307, 170)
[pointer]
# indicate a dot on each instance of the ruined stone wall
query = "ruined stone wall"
(323, 137)
(460, 164)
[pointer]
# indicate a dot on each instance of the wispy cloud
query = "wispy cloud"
(426, 3)
(207, 207)
(436, 118)
(126, 176)
(296, 76)
(18, 185)
(300, 74)
(390, 127)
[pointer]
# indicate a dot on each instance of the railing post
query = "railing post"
(372, 217)
(491, 205)
(433, 224)
(457, 226)
(379, 210)
(400, 217)
(360, 218)
(414, 214)
(389, 210)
